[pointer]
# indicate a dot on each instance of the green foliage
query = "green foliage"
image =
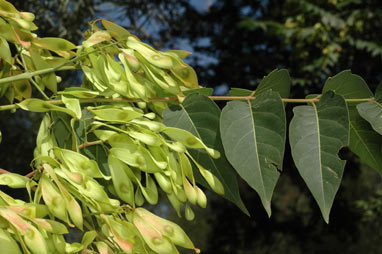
(140, 121)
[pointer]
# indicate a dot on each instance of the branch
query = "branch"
(175, 98)
(93, 143)
(29, 75)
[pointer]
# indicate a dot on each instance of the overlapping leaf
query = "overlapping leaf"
(253, 135)
(200, 116)
(364, 142)
(316, 134)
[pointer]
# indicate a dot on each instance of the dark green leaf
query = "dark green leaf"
(277, 80)
(372, 112)
(316, 134)
(200, 116)
(364, 142)
(253, 135)
(239, 92)
(349, 85)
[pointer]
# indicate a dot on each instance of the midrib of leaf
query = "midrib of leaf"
(210, 158)
(257, 153)
(319, 152)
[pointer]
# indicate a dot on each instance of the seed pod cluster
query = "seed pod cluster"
(69, 187)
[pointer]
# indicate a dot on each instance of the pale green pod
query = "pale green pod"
(8, 244)
(37, 105)
(94, 78)
(53, 198)
(188, 213)
(190, 191)
(72, 104)
(115, 114)
(122, 183)
(79, 163)
(180, 194)
(175, 146)
(134, 159)
(175, 202)
(176, 172)
(79, 92)
(152, 56)
(138, 197)
(104, 135)
(13, 180)
(28, 16)
(189, 140)
(151, 139)
(92, 189)
(75, 211)
(167, 228)
(202, 198)
(164, 182)
(152, 237)
(35, 241)
(212, 180)
(142, 104)
(51, 226)
(59, 243)
(151, 125)
(131, 60)
(134, 85)
(103, 248)
(150, 192)
(185, 165)
(121, 140)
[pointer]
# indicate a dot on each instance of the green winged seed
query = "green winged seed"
(151, 139)
(188, 213)
(79, 92)
(13, 180)
(190, 191)
(72, 104)
(163, 182)
(139, 200)
(116, 115)
(201, 197)
(167, 228)
(79, 163)
(150, 192)
(131, 60)
(8, 244)
(175, 203)
(134, 159)
(75, 212)
(50, 225)
(134, 85)
(35, 241)
(152, 56)
(189, 140)
(37, 105)
(53, 198)
(122, 183)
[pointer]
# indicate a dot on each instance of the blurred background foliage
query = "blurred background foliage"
(234, 44)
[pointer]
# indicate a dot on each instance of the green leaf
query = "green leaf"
(239, 92)
(277, 80)
(115, 30)
(253, 135)
(200, 116)
(349, 85)
(364, 142)
(316, 134)
(372, 112)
